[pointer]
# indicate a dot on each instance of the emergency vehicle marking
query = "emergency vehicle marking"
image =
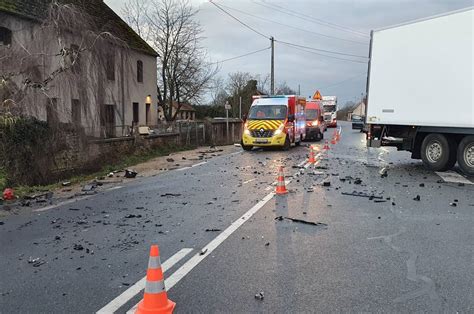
(264, 124)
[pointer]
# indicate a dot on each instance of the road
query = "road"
(387, 253)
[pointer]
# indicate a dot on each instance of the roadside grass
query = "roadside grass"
(125, 162)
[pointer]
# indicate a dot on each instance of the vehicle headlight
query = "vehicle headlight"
(279, 130)
(315, 123)
(246, 132)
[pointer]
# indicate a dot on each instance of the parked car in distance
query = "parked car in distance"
(357, 122)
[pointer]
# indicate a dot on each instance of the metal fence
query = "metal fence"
(191, 133)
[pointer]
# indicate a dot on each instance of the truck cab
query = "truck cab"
(315, 124)
(330, 110)
(274, 121)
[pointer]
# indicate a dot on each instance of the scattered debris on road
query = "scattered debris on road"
(130, 174)
(170, 194)
(417, 198)
(132, 216)
(213, 230)
(361, 194)
(260, 296)
(280, 218)
(36, 262)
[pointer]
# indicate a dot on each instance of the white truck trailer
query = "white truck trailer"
(420, 90)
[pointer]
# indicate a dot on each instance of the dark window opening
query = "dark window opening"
(5, 36)
(107, 120)
(76, 112)
(139, 71)
(136, 116)
(52, 116)
(147, 113)
(75, 59)
(110, 67)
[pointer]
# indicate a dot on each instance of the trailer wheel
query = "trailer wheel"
(436, 153)
(466, 155)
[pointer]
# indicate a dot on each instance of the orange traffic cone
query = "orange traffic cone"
(326, 145)
(281, 188)
(311, 159)
(334, 141)
(155, 299)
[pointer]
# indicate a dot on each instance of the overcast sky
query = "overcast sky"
(226, 38)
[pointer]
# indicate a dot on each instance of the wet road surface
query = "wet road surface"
(392, 237)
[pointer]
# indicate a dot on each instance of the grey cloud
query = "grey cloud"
(226, 38)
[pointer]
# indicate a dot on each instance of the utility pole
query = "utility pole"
(299, 89)
(227, 108)
(240, 107)
(272, 73)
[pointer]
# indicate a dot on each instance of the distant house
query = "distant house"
(186, 112)
(358, 110)
(103, 97)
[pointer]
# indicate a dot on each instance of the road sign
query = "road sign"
(228, 106)
(317, 95)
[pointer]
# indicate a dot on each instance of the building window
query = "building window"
(75, 59)
(52, 111)
(139, 71)
(76, 112)
(147, 113)
(110, 67)
(5, 36)
(107, 120)
(136, 116)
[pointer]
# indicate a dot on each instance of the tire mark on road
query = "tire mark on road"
(429, 287)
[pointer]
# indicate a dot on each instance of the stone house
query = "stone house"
(186, 112)
(358, 110)
(104, 92)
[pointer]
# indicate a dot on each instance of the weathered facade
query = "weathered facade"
(104, 92)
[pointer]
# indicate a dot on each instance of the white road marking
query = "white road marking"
(184, 168)
(42, 209)
(211, 246)
(199, 164)
(248, 181)
(131, 292)
(453, 177)
(114, 188)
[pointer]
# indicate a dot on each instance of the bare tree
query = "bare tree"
(172, 30)
(263, 83)
(218, 93)
(284, 89)
(237, 81)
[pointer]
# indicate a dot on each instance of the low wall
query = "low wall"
(82, 156)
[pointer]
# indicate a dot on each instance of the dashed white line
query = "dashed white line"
(248, 181)
(131, 292)
(211, 246)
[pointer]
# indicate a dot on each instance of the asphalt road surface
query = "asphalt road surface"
(389, 236)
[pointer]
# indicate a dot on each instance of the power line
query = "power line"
(346, 80)
(309, 18)
(241, 56)
(292, 44)
(321, 50)
(246, 25)
(294, 27)
(320, 54)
